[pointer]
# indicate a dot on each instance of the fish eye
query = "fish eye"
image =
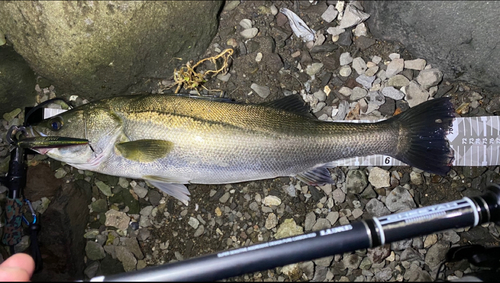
(55, 124)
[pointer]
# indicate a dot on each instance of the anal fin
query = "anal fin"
(175, 189)
(316, 177)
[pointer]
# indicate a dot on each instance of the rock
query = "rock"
(398, 81)
(415, 95)
(376, 59)
(287, 229)
(360, 30)
(17, 80)
(356, 181)
(359, 65)
(379, 178)
(388, 108)
(345, 91)
(344, 39)
(271, 221)
(332, 216)
(393, 56)
(345, 71)
(320, 95)
(379, 254)
(416, 274)
(345, 58)
(417, 64)
(394, 67)
(338, 196)
(429, 77)
(100, 205)
(133, 246)
(375, 98)
(352, 16)
(321, 224)
(324, 261)
(392, 93)
(193, 222)
(104, 188)
(399, 199)
(272, 201)
(94, 251)
(100, 49)
(436, 254)
(313, 69)
(330, 14)
(140, 191)
(246, 23)
(383, 275)
(249, 33)
(262, 91)
(2, 38)
(351, 261)
(371, 71)
(416, 178)
(451, 47)
(358, 93)
(126, 257)
(293, 271)
(365, 81)
(364, 42)
(334, 31)
(231, 5)
(117, 219)
(309, 221)
(376, 208)
(199, 231)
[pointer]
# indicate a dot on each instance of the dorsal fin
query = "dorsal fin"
(291, 103)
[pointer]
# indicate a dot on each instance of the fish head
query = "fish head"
(98, 125)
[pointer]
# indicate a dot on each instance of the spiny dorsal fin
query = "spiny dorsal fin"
(292, 103)
(144, 150)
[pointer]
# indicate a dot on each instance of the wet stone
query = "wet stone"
(94, 251)
(364, 42)
(376, 208)
(345, 38)
(309, 221)
(399, 199)
(99, 205)
(126, 257)
(429, 77)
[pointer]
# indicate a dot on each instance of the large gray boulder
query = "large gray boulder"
(17, 81)
(100, 48)
(461, 38)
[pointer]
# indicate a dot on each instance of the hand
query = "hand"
(18, 267)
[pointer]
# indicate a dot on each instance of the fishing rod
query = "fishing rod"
(467, 212)
(15, 181)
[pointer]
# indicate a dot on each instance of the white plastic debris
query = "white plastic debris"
(299, 27)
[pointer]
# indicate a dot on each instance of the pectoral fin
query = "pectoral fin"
(144, 150)
(316, 176)
(171, 187)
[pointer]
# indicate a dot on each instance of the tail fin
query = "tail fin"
(423, 129)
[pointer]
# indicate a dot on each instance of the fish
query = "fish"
(174, 140)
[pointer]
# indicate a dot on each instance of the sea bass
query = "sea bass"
(171, 140)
